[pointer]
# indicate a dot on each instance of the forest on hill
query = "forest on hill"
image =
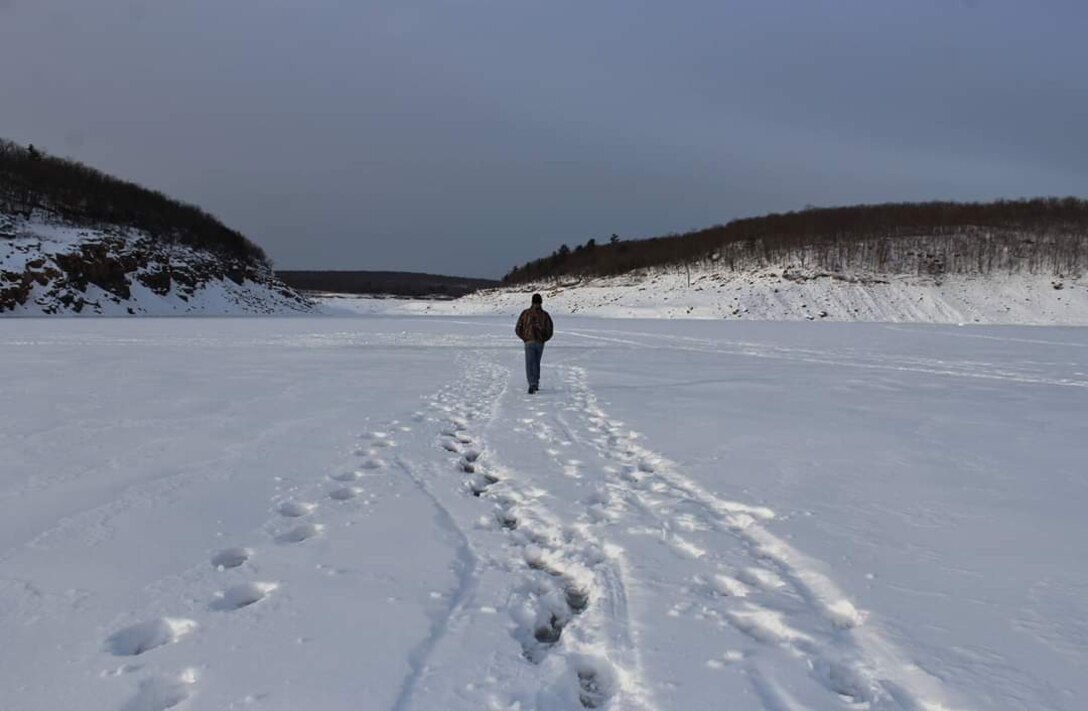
(1040, 235)
(33, 181)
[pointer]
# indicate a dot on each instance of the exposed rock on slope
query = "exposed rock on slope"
(74, 240)
(50, 267)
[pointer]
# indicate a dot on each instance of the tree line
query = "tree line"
(389, 283)
(1041, 235)
(31, 180)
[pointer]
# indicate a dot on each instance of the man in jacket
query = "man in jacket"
(535, 329)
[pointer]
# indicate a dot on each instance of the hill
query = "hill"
(74, 240)
(1006, 262)
(1037, 236)
(788, 295)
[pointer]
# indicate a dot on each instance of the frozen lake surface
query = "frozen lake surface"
(371, 513)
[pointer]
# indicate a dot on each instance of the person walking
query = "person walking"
(534, 329)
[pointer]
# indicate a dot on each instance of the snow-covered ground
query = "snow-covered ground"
(370, 513)
(792, 294)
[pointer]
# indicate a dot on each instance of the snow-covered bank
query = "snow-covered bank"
(339, 513)
(794, 295)
(48, 268)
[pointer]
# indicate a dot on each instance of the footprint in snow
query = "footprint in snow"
(479, 484)
(298, 534)
(597, 681)
(761, 578)
(134, 640)
(244, 595)
(294, 509)
(346, 476)
(843, 615)
(726, 586)
(538, 559)
(231, 558)
(549, 632)
(344, 493)
(577, 598)
(764, 625)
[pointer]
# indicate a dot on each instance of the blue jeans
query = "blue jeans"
(533, 353)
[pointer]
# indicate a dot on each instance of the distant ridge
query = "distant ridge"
(408, 284)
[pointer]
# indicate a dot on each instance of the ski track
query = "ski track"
(467, 579)
(563, 565)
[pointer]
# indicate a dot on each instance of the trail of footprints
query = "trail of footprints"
(552, 592)
(558, 578)
(758, 598)
(762, 589)
(158, 692)
(565, 570)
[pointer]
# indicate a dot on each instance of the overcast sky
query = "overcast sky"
(467, 136)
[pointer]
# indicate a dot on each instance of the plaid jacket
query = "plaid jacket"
(534, 325)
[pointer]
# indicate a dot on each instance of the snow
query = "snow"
(32, 245)
(369, 512)
(788, 293)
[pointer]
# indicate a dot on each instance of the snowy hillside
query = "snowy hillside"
(370, 513)
(791, 294)
(50, 267)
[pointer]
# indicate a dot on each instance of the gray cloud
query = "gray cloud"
(467, 136)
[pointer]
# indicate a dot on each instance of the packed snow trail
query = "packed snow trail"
(607, 558)
(562, 638)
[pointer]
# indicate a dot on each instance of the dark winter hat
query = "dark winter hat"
(538, 299)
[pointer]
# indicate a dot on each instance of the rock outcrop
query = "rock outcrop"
(48, 267)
